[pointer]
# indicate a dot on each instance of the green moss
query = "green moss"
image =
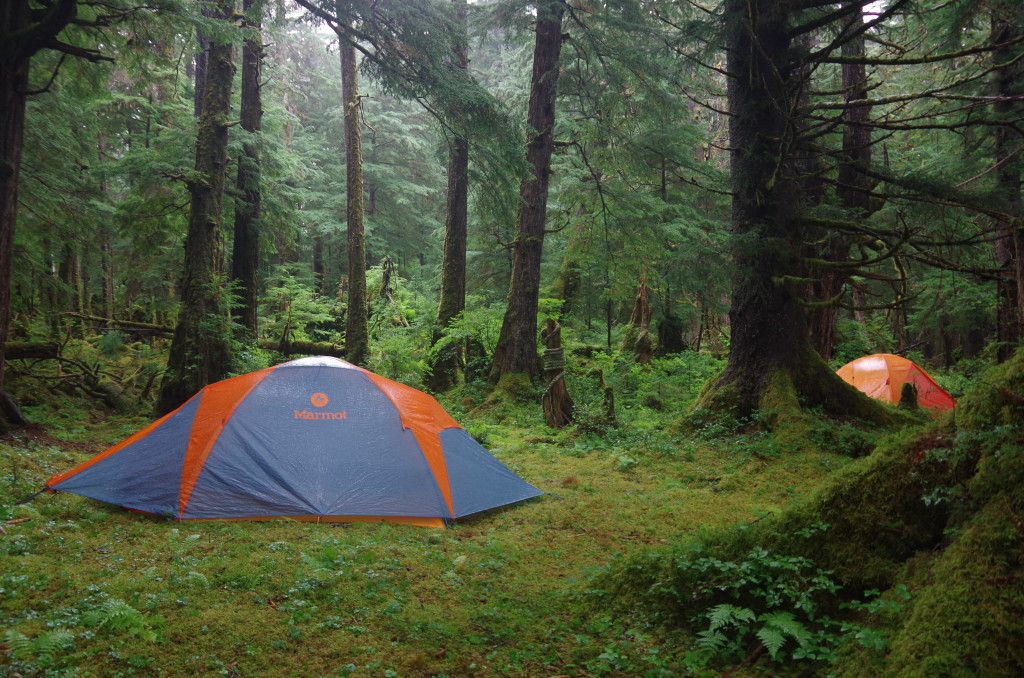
(967, 606)
(512, 391)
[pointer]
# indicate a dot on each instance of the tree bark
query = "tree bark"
(357, 332)
(245, 258)
(447, 366)
(1009, 245)
(32, 350)
(516, 350)
(200, 351)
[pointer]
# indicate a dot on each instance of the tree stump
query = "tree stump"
(558, 406)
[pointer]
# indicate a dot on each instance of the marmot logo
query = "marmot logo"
(319, 399)
(306, 414)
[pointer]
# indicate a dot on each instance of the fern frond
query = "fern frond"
(48, 645)
(19, 645)
(772, 639)
(724, 614)
(711, 639)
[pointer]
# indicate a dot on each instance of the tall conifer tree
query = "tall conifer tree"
(200, 350)
(447, 366)
(246, 243)
(357, 334)
(516, 350)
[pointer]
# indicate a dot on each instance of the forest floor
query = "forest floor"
(88, 587)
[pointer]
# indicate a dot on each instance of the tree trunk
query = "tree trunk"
(516, 350)
(447, 365)
(638, 338)
(854, 194)
(23, 32)
(771, 363)
(558, 405)
(1009, 245)
(245, 257)
(357, 332)
(200, 351)
(13, 85)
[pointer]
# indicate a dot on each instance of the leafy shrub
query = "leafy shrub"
(843, 437)
(742, 608)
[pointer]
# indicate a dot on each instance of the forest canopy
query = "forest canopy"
(815, 180)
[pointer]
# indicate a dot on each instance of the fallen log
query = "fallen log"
(129, 324)
(303, 347)
(31, 350)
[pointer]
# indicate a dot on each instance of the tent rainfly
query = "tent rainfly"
(882, 376)
(311, 439)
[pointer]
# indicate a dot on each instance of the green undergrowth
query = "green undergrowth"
(905, 563)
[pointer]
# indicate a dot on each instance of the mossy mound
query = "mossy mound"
(966, 614)
(512, 391)
(937, 511)
(789, 404)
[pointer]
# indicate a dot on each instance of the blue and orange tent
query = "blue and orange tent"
(311, 439)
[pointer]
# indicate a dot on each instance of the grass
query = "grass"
(90, 590)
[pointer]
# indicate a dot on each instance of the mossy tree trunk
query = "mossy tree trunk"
(771, 363)
(357, 332)
(447, 366)
(1009, 245)
(516, 350)
(200, 351)
(245, 257)
(638, 338)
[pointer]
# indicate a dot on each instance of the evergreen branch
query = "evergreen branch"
(936, 58)
(844, 9)
(93, 55)
(704, 104)
(881, 307)
(929, 93)
(939, 195)
(53, 77)
(990, 169)
(845, 37)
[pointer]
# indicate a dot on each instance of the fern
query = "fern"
(115, 615)
(725, 614)
(43, 650)
(48, 645)
(711, 639)
(18, 645)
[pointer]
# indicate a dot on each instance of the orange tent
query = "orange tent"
(882, 376)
